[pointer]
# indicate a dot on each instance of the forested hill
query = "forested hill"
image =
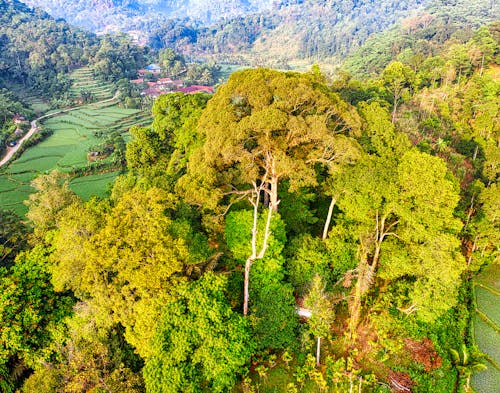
(32, 42)
(274, 33)
(372, 204)
(424, 34)
(98, 15)
(327, 31)
(37, 51)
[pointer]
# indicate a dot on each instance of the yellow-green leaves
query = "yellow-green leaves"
(124, 260)
(267, 126)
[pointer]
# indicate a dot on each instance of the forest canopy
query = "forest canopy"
(288, 232)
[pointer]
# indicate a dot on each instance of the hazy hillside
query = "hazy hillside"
(130, 14)
(272, 32)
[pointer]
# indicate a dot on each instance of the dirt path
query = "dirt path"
(34, 128)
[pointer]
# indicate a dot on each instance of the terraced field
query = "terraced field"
(74, 133)
(486, 327)
(84, 81)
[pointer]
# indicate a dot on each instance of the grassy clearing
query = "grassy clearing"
(74, 134)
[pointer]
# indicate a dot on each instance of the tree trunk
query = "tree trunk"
(394, 109)
(273, 203)
(476, 150)
(328, 218)
(246, 284)
(254, 256)
(318, 350)
(355, 311)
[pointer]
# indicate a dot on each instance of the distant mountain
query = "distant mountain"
(271, 32)
(100, 15)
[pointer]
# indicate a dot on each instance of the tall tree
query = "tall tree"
(262, 127)
(398, 79)
(322, 312)
(130, 260)
(52, 195)
(401, 215)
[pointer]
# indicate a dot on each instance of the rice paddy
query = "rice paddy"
(74, 134)
(85, 83)
(486, 323)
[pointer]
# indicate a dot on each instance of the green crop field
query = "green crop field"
(487, 302)
(74, 134)
(486, 381)
(94, 185)
(487, 339)
(486, 334)
(84, 81)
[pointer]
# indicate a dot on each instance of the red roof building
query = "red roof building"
(165, 81)
(197, 89)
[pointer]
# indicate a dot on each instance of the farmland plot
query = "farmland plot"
(74, 134)
(486, 327)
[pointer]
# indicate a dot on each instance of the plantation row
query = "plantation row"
(84, 81)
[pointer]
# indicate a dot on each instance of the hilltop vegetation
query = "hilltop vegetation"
(370, 203)
(38, 52)
(246, 32)
(130, 14)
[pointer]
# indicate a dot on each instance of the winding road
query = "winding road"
(34, 128)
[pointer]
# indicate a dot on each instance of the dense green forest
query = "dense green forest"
(369, 204)
(279, 33)
(38, 52)
(327, 31)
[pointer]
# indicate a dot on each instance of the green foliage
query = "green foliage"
(200, 343)
(389, 202)
(282, 141)
(238, 234)
(281, 125)
(30, 312)
(415, 38)
(88, 359)
(51, 196)
(309, 257)
(322, 308)
(12, 236)
(297, 210)
(272, 305)
(164, 148)
(273, 315)
(123, 261)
